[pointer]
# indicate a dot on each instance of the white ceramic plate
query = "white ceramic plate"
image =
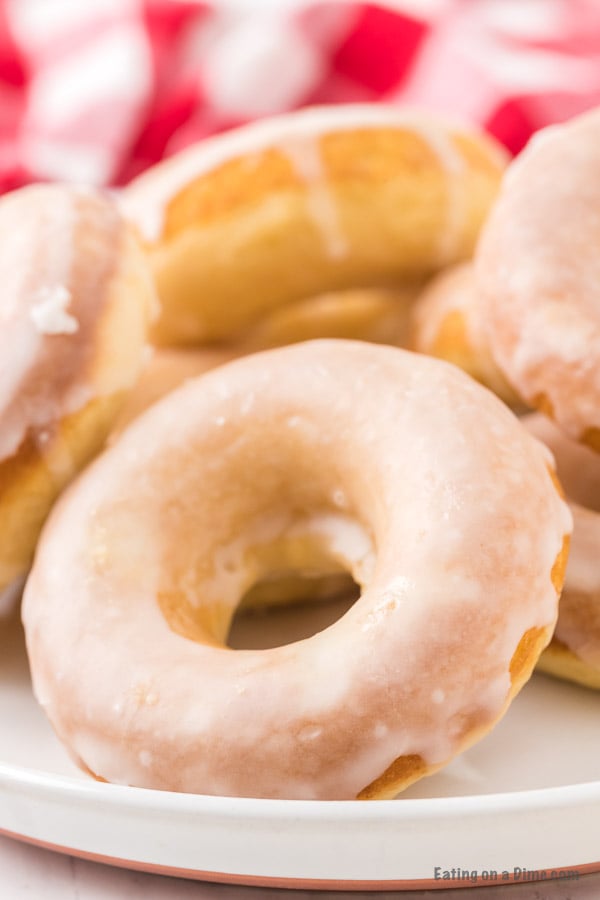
(524, 800)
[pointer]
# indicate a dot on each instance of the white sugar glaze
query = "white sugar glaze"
(538, 272)
(28, 232)
(305, 156)
(60, 249)
(49, 314)
(441, 486)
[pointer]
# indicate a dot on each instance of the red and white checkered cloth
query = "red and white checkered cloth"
(96, 90)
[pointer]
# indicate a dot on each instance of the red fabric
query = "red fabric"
(378, 51)
(99, 91)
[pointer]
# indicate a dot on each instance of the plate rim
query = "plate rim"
(580, 794)
(40, 786)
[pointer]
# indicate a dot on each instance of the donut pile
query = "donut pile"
(233, 330)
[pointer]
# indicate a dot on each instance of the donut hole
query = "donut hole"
(267, 591)
(281, 502)
(283, 608)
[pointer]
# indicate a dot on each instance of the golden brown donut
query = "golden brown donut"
(380, 316)
(74, 311)
(318, 201)
(574, 652)
(326, 454)
(446, 323)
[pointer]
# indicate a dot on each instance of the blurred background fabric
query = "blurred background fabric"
(96, 90)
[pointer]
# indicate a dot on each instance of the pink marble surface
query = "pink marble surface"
(28, 873)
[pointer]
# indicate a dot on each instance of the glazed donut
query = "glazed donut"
(324, 454)
(321, 200)
(539, 276)
(446, 323)
(574, 652)
(75, 308)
